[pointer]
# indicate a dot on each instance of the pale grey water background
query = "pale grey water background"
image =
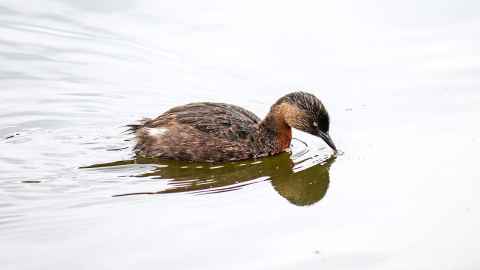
(400, 79)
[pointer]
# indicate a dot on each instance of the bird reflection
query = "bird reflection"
(301, 183)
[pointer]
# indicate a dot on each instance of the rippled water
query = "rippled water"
(400, 80)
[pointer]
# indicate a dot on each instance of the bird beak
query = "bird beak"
(326, 137)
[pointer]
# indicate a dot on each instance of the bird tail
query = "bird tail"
(133, 128)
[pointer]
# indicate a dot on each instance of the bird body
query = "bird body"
(218, 132)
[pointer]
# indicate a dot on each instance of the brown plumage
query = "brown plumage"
(217, 132)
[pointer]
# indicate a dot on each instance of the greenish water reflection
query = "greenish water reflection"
(301, 183)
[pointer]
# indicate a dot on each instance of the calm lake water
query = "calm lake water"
(400, 79)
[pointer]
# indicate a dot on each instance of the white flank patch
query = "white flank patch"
(156, 132)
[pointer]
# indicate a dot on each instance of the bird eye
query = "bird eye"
(315, 124)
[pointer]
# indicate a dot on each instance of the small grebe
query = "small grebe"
(216, 132)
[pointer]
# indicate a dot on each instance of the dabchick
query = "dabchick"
(218, 132)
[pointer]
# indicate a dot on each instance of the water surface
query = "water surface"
(400, 81)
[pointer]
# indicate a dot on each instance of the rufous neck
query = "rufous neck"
(275, 127)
